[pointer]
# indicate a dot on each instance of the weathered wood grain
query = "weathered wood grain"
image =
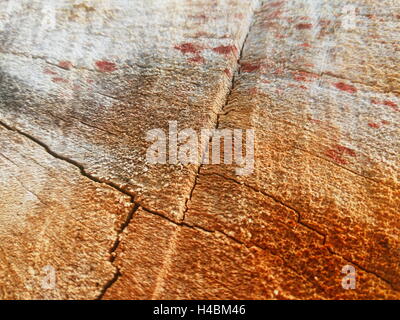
(82, 82)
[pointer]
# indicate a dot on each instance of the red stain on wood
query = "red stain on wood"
(335, 156)
(300, 78)
(226, 50)
(59, 80)
(250, 67)
(346, 87)
(338, 152)
(374, 125)
(391, 104)
(106, 66)
(316, 121)
(276, 4)
(345, 150)
(228, 72)
(305, 45)
(304, 76)
(186, 48)
(377, 125)
(304, 26)
(67, 65)
(197, 59)
(388, 103)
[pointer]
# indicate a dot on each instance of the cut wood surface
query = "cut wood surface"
(82, 82)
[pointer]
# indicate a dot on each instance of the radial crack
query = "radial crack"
(70, 161)
(221, 111)
(96, 180)
(113, 249)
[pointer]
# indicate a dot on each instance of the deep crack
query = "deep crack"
(298, 214)
(82, 170)
(113, 249)
(311, 281)
(221, 111)
(68, 160)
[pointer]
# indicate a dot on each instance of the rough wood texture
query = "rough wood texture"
(77, 97)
